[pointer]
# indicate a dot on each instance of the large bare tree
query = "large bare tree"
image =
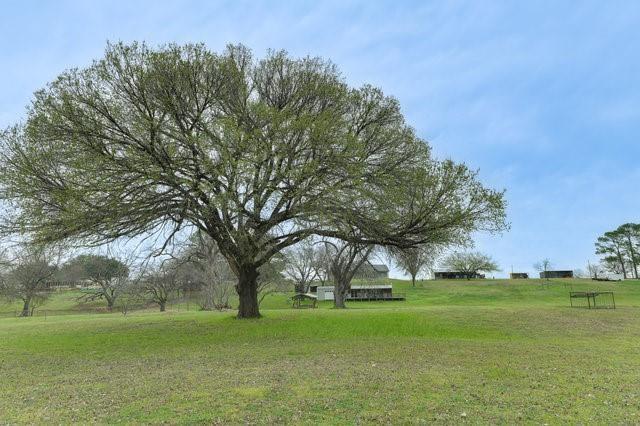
(160, 284)
(256, 154)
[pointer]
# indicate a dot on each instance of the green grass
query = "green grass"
(492, 351)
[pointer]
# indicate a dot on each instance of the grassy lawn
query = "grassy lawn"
(492, 351)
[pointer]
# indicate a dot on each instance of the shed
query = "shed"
(455, 275)
(556, 274)
(518, 275)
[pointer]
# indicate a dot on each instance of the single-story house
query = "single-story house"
(360, 292)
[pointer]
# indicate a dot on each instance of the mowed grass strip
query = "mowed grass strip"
(529, 361)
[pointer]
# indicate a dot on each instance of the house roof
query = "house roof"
(370, 287)
(304, 296)
(380, 268)
(358, 287)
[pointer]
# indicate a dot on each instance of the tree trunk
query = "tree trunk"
(110, 304)
(247, 289)
(163, 306)
(413, 280)
(338, 300)
(340, 294)
(26, 312)
(632, 257)
(621, 260)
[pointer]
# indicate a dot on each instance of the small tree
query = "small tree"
(414, 261)
(322, 264)
(203, 265)
(593, 269)
(109, 274)
(272, 278)
(159, 285)
(27, 279)
(543, 266)
(470, 264)
(344, 259)
(300, 265)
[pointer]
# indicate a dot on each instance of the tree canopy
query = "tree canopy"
(470, 263)
(414, 260)
(110, 274)
(621, 248)
(95, 267)
(257, 154)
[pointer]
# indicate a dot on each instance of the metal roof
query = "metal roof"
(371, 287)
(358, 287)
(380, 267)
(307, 295)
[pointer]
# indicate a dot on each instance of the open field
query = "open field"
(492, 351)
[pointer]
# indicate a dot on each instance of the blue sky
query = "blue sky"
(542, 97)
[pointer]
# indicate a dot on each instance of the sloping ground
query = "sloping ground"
(499, 293)
(478, 352)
